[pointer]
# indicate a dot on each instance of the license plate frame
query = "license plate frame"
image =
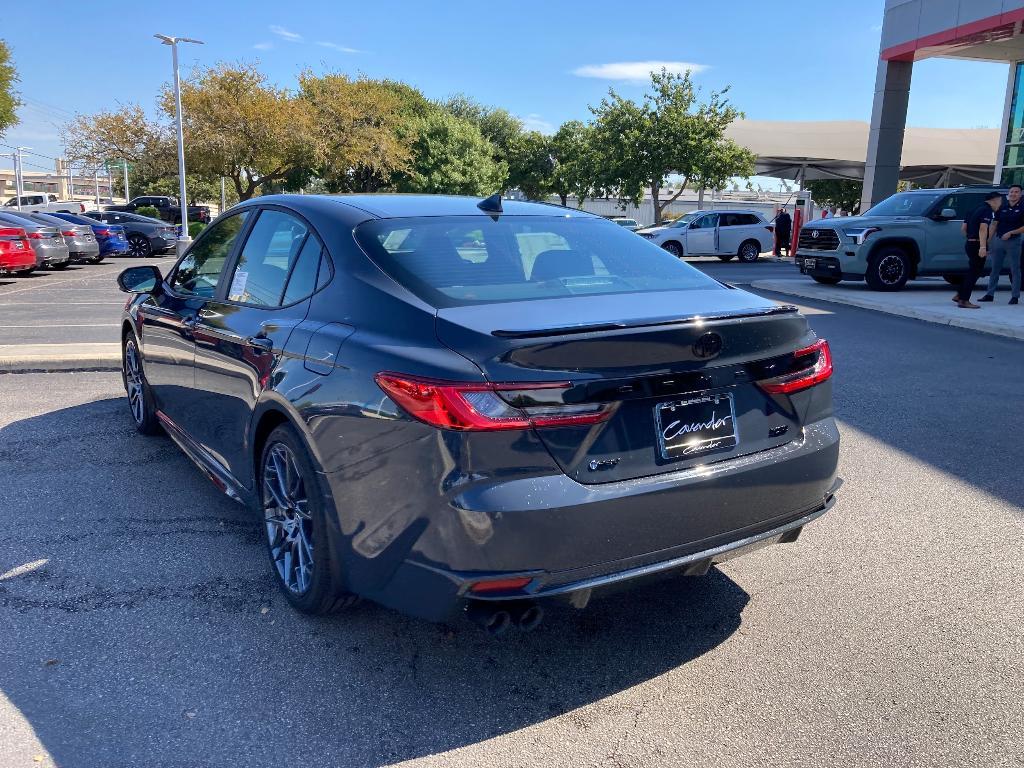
(810, 264)
(673, 442)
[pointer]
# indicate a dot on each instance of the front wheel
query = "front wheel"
(296, 526)
(749, 252)
(140, 400)
(674, 248)
(888, 270)
(139, 247)
(826, 280)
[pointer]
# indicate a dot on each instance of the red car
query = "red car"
(16, 254)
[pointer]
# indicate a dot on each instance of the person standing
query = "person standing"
(978, 228)
(783, 231)
(1006, 245)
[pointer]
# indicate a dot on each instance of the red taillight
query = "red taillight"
(70, 233)
(500, 585)
(103, 232)
(802, 379)
(81, 208)
(12, 233)
(37, 236)
(480, 406)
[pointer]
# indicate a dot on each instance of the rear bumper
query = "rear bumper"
(84, 251)
(570, 538)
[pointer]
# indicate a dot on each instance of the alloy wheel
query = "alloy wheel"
(749, 253)
(890, 269)
(138, 247)
(133, 381)
(288, 522)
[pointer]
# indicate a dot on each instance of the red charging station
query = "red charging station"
(802, 211)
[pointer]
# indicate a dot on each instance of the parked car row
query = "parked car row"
(31, 241)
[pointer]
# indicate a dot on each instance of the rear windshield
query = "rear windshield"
(904, 204)
(460, 260)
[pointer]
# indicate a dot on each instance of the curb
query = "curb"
(59, 358)
(972, 323)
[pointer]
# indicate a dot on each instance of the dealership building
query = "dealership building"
(986, 30)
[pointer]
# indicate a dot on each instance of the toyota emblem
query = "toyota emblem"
(814, 234)
(707, 346)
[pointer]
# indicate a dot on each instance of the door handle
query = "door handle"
(260, 343)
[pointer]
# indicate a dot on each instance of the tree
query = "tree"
(9, 101)
(530, 165)
(450, 156)
(721, 160)
(843, 194)
(575, 172)
(362, 125)
(640, 145)
(122, 134)
(239, 126)
(505, 133)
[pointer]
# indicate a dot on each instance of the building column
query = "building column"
(1004, 127)
(888, 123)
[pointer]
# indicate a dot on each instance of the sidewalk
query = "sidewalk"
(42, 358)
(927, 300)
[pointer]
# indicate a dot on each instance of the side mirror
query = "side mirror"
(948, 213)
(144, 279)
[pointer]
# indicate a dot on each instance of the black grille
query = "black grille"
(826, 240)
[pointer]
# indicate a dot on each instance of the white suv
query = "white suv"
(725, 234)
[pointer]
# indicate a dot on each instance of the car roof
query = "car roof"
(390, 206)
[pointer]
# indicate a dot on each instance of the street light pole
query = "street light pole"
(183, 238)
(124, 164)
(19, 174)
(223, 196)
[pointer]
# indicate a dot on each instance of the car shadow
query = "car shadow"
(145, 628)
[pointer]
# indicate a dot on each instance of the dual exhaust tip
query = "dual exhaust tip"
(497, 618)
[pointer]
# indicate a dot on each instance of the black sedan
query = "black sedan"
(445, 404)
(146, 236)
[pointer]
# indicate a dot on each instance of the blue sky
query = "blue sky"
(543, 61)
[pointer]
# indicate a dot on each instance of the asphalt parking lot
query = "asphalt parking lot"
(141, 626)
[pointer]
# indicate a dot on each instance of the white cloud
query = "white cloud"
(635, 71)
(263, 46)
(534, 122)
(286, 34)
(336, 47)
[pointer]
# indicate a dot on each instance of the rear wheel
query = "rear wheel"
(140, 401)
(674, 248)
(62, 265)
(727, 256)
(139, 247)
(827, 280)
(96, 260)
(296, 526)
(25, 272)
(749, 251)
(888, 270)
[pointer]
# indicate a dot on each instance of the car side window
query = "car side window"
(964, 203)
(706, 222)
(199, 272)
(730, 220)
(302, 282)
(269, 253)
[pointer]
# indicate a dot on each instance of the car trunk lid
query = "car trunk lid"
(677, 369)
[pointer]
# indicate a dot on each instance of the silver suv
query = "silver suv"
(909, 235)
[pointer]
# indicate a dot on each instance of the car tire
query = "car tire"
(139, 247)
(294, 519)
(727, 256)
(25, 272)
(826, 280)
(749, 251)
(674, 248)
(140, 397)
(96, 260)
(62, 265)
(888, 270)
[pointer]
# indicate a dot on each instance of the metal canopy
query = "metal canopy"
(837, 149)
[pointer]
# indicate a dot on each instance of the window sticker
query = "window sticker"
(237, 292)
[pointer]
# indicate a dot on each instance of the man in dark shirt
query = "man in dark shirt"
(977, 228)
(1006, 246)
(783, 231)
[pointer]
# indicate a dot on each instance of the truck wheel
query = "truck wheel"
(749, 252)
(673, 247)
(826, 280)
(888, 270)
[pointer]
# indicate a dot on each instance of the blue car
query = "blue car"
(111, 237)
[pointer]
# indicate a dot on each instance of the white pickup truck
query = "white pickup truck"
(44, 203)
